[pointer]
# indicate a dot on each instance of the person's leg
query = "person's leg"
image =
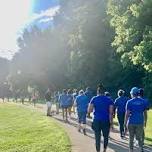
(69, 110)
(97, 131)
(47, 111)
(66, 114)
(63, 113)
(105, 130)
(74, 109)
(139, 135)
(79, 121)
(131, 129)
(57, 108)
(121, 124)
(84, 115)
(143, 137)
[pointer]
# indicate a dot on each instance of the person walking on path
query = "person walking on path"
(134, 118)
(75, 94)
(89, 95)
(120, 105)
(103, 117)
(70, 101)
(141, 95)
(63, 99)
(81, 102)
(48, 98)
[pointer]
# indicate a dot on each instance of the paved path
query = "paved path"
(81, 143)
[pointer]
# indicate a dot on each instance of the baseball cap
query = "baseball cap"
(134, 91)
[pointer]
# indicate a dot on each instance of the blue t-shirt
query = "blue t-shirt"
(147, 103)
(82, 103)
(70, 99)
(136, 106)
(63, 99)
(120, 104)
(101, 107)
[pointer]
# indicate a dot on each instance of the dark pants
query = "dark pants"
(121, 118)
(99, 126)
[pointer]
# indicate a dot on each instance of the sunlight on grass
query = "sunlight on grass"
(23, 130)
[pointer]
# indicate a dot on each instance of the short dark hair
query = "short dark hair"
(141, 92)
(64, 91)
(69, 91)
(100, 89)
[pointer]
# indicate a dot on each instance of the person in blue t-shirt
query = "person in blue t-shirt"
(141, 95)
(70, 101)
(63, 99)
(75, 94)
(89, 94)
(134, 118)
(103, 117)
(120, 105)
(81, 103)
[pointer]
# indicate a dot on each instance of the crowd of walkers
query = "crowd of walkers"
(131, 112)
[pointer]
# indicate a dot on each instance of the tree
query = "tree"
(133, 32)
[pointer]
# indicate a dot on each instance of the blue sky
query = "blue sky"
(42, 5)
(16, 14)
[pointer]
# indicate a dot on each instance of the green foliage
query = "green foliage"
(133, 34)
(133, 27)
(25, 130)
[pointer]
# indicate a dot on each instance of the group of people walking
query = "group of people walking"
(131, 112)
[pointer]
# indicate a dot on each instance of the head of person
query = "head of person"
(88, 89)
(100, 89)
(121, 93)
(107, 94)
(64, 91)
(69, 91)
(134, 92)
(141, 92)
(81, 92)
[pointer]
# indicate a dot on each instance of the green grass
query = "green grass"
(148, 130)
(25, 130)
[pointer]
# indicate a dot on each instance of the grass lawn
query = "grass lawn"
(25, 130)
(148, 130)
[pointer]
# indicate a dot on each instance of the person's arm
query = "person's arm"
(114, 109)
(127, 114)
(75, 103)
(145, 118)
(90, 108)
(111, 108)
(126, 119)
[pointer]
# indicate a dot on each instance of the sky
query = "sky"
(16, 15)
